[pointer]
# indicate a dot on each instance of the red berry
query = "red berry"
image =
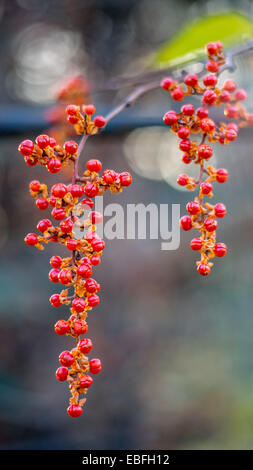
(186, 222)
(209, 97)
(80, 327)
(170, 118)
(240, 95)
(76, 190)
(229, 85)
(231, 112)
(109, 176)
(43, 141)
(74, 411)
(94, 165)
(95, 217)
(26, 148)
(73, 119)
(88, 202)
(95, 366)
(212, 66)
(182, 180)
(43, 225)
(233, 125)
(219, 45)
(42, 203)
(193, 207)
(188, 109)
(221, 175)
(212, 48)
(196, 244)
(91, 190)
(34, 186)
(206, 187)
(185, 145)
(78, 305)
(85, 345)
(205, 151)
(207, 125)
(54, 275)
(210, 225)
(72, 244)
(58, 214)
(183, 132)
(220, 249)
(191, 80)
(56, 261)
(91, 286)
(62, 374)
(89, 109)
(59, 190)
(224, 96)
(71, 147)
(66, 359)
(62, 327)
(72, 109)
(99, 121)
(30, 161)
(177, 94)
(203, 269)
(55, 300)
(95, 260)
(52, 142)
(85, 381)
(166, 83)
(186, 159)
(220, 210)
(202, 113)
(54, 165)
(31, 239)
(84, 270)
(67, 225)
(231, 135)
(65, 276)
(93, 300)
(98, 244)
(125, 179)
(210, 80)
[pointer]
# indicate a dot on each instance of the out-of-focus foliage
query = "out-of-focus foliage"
(189, 42)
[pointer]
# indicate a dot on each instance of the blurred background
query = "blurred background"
(176, 348)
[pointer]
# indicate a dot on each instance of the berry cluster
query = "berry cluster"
(68, 203)
(82, 121)
(203, 216)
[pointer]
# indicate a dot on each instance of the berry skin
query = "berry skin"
(185, 145)
(207, 125)
(67, 225)
(231, 135)
(58, 214)
(59, 190)
(65, 276)
(43, 225)
(43, 141)
(221, 175)
(220, 249)
(62, 327)
(170, 118)
(91, 190)
(186, 159)
(62, 374)
(182, 180)
(72, 244)
(210, 80)
(26, 148)
(54, 165)
(78, 305)
(94, 165)
(202, 113)
(71, 147)
(91, 286)
(191, 80)
(193, 207)
(56, 261)
(99, 121)
(188, 109)
(89, 109)
(177, 94)
(209, 97)
(225, 96)
(210, 225)
(95, 366)
(30, 161)
(95, 217)
(206, 187)
(166, 83)
(109, 176)
(98, 244)
(85, 381)
(211, 48)
(34, 186)
(205, 151)
(240, 95)
(85, 345)
(231, 112)
(212, 66)
(55, 300)
(76, 190)
(72, 109)
(74, 411)
(73, 119)
(52, 142)
(88, 202)
(84, 271)
(229, 85)
(95, 260)
(203, 269)
(183, 133)
(220, 210)
(66, 359)
(54, 275)
(31, 239)
(93, 300)
(186, 223)
(80, 327)
(42, 203)
(125, 179)
(196, 244)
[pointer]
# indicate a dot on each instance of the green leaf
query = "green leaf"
(230, 28)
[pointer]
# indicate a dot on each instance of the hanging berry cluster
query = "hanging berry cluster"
(202, 215)
(68, 204)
